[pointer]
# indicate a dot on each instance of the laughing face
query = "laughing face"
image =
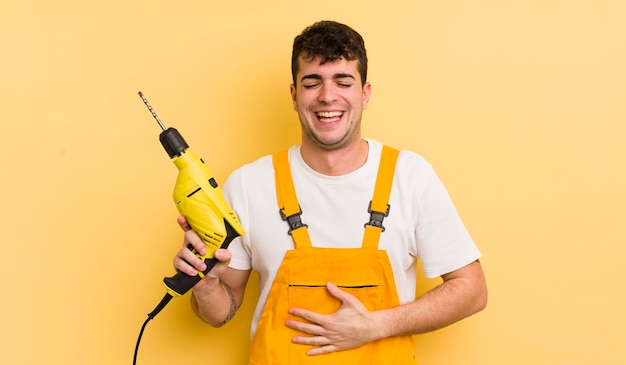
(329, 99)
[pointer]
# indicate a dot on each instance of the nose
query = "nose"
(327, 93)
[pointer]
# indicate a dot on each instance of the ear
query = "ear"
(292, 90)
(367, 91)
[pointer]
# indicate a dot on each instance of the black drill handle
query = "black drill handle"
(182, 283)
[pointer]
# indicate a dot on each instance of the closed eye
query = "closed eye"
(310, 85)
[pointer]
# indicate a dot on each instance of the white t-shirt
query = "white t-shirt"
(422, 223)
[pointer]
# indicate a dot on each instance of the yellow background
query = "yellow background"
(520, 106)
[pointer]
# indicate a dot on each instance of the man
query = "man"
(337, 272)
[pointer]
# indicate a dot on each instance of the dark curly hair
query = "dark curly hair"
(330, 41)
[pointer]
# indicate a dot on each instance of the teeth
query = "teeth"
(329, 114)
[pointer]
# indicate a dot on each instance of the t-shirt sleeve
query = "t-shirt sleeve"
(444, 244)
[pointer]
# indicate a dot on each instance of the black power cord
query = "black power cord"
(166, 299)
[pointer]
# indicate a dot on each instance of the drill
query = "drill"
(199, 199)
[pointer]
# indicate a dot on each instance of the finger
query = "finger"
(188, 263)
(192, 238)
(324, 345)
(182, 222)
(311, 340)
(321, 350)
(308, 315)
(308, 328)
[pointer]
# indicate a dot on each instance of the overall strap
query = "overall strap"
(379, 206)
(287, 201)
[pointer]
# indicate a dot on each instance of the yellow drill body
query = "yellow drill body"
(200, 200)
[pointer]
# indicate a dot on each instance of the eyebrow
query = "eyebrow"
(335, 76)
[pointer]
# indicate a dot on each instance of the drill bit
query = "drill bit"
(145, 101)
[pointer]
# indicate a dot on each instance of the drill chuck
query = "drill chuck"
(173, 143)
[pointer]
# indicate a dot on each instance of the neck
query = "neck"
(336, 162)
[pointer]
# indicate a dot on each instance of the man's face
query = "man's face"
(329, 99)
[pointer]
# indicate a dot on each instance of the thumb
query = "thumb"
(223, 257)
(345, 298)
(336, 292)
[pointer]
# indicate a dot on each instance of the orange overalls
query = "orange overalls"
(301, 282)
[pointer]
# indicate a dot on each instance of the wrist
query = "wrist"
(213, 302)
(383, 324)
(232, 308)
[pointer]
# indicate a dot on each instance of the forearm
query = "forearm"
(459, 296)
(214, 302)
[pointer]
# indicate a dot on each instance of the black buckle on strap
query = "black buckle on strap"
(376, 218)
(293, 220)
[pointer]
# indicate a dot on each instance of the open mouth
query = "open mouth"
(328, 117)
